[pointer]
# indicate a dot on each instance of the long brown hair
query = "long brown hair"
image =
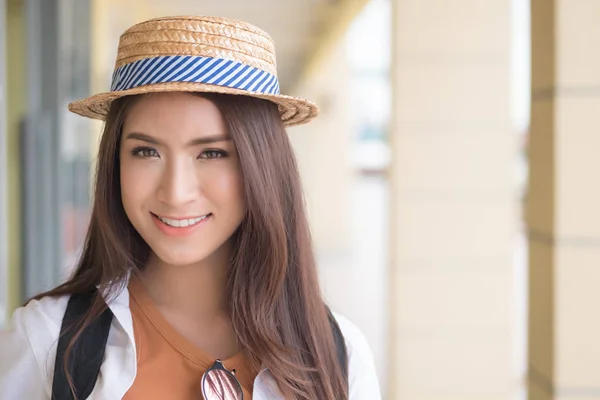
(276, 306)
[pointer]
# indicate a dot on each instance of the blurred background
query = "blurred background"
(448, 178)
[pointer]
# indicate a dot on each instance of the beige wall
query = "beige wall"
(454, 202)
(563, 218)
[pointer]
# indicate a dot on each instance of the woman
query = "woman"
(198, 248)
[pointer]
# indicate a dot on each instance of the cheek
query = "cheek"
(136, 184)
(226, 188)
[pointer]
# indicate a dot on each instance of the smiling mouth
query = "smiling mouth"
(182, 223)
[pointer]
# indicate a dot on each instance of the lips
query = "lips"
(183, 222)
(179, 226)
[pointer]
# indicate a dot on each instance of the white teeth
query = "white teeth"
(182, 223)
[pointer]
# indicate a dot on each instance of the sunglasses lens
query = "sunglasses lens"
(219, 384)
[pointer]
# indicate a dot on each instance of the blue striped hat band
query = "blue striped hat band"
(215, 71)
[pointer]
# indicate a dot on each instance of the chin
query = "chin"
(182, 253)
(175, 258)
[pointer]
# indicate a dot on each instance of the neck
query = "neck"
(197, 290)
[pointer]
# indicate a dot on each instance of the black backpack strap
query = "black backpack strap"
(340, 343)
(88, 352)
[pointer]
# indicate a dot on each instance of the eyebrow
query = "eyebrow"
(194, 142)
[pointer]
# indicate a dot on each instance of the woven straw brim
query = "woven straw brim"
(293, 110)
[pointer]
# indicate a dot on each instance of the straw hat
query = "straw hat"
(196, 54)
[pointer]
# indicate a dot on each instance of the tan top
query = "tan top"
(168, 365)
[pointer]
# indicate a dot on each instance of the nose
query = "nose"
(179, 184)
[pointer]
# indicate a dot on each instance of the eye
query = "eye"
(145, 152)
(210, 154)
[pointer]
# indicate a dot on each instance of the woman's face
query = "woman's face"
(181, 182)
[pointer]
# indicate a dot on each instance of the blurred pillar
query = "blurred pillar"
(454, 202)
(16, 59)
(3, 168)
(53, 148)
(563, 217)
(40, 150)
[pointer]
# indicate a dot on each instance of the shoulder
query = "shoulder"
(362, 376)
(40, 320)
(46, 312)
(28, 348)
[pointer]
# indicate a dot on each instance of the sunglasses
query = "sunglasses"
(220, 384)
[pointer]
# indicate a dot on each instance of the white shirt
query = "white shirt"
(28, 350)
